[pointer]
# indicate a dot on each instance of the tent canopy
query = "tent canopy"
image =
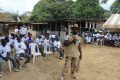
(113, 22)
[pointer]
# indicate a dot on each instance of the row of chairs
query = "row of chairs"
(34, 53)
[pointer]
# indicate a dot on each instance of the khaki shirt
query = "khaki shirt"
(72, 49)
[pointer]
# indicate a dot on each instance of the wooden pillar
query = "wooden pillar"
(86, 24)
(69, 31)
(56, 26)
(90, 26)
(61, 25)
(94, 26)
(50, 26)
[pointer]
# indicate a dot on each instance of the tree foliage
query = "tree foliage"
(52, 10)
(46, 10)
(5, 16)
(12, 16)
(115, 8)
(88, 9)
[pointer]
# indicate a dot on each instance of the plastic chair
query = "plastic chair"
(47, 50)
(9, 65)
(33, 47)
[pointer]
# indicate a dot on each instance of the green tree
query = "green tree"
(25, 16)
(12, 16)
(52, 10)
(5, 16)
(115, 7)
(88, 9)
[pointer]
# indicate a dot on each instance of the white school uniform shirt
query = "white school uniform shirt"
(46, 42)
(16, 31)
(23, 31)
(102, 35)
(109, 37)
(106, 36)
(97, 35)
(88, 38)
(94, 35)
(2, 37)
(39, 41)
(118, 38)
(57, 44)
(114, 37)
(52, 36)
(23, 39)
(13, 41)
(4, 50)
(20, 50)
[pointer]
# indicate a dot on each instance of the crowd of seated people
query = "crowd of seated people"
(16, 45)
(103, 38)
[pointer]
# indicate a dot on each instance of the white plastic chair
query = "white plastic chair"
(47, 50)
(33, 51)
(9, 65)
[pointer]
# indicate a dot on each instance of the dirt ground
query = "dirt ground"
(98, 63)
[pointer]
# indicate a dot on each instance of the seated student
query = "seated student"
(88, 39)
(5, 54)
(117, 41)
(46, 42)
(98, 35)
(13, 39)
(39, 41)
(20, 48)
(109, 39)
(106, 39)
(29, 38)
(58, 47)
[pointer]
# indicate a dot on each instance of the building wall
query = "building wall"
(1, 27)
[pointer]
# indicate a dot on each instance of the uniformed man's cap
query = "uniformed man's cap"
(75, 26)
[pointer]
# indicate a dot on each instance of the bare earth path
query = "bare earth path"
(98, 63)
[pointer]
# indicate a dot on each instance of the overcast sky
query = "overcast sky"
(27, 5)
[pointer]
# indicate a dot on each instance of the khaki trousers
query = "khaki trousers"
(70, 63)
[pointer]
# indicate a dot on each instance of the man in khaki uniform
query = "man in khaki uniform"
(73, 52)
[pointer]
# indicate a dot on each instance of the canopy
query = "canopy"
(113, 22)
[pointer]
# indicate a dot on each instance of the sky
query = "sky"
(27, 5)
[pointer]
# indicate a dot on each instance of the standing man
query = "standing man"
(72, 52)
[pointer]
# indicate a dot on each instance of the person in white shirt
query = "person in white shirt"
(23, 39)
(29, 38)
(23, 30)
(5, 54)
(106, 39)
(20, 48)
(58, 47)
(46, 43)
(39, 41)
(88, 39)
(109, 39)
(98, 38)
(16, 30)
